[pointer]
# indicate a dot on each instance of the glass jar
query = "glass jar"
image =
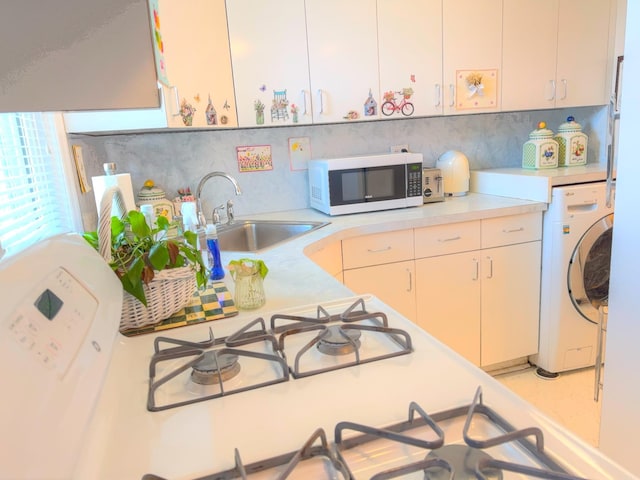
(249, 291)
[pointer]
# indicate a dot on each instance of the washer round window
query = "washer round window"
(588, 275)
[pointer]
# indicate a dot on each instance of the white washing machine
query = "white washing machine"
(576, 253)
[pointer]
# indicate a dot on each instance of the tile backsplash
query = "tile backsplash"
(177, 159)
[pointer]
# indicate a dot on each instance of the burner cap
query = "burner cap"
(205, 372)
(463, 459)
(334, 342)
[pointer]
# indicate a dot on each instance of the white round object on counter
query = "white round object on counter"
(454, 166)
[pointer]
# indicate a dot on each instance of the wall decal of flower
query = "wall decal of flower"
(186, 112)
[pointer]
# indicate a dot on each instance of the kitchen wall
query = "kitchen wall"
(177, 159)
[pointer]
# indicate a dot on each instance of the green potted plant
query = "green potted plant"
(159, 274)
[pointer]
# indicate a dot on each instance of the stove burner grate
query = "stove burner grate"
(458, 462)
(338, 335)
(214, 362)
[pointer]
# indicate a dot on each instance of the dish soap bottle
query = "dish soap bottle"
(217, 272)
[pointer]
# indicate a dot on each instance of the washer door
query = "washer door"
(588, 276)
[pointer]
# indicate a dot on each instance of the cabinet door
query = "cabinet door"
(270, 61)
(196, 51)
(472, 45)
(76, 55)
(529, 46)
(583, 47)
(448, 301)
(343, 59)
(410, 54)
(196, 45)
(510, 302)
(393, 283)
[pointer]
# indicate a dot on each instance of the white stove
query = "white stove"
(305, 392)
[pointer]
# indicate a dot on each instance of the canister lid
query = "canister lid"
(150, 192)
(541, 132)
(570, 125)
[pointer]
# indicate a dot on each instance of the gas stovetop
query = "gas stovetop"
(310, 342)
(465, 442)
(347, 391)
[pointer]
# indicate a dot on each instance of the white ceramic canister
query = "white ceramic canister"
(573, 144)
(541, 150)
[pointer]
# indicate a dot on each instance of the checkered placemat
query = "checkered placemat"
(213, 303)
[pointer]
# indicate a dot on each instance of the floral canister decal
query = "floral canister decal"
(541, 150)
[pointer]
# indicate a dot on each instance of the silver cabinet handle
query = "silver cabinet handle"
(513, 230)
(564, 89)
(410, 280)
(383, 249)
(304, 102)
(437, 95)
(552, 89)
(321, 101)
(476, 273)
(490, 273)
(452, 100)
(449, 239)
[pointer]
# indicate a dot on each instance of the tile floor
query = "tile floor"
(567, 399)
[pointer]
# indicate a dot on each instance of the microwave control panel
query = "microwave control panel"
(414, 179)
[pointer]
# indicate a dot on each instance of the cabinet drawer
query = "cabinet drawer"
(446, 239)
(512, 229)
(377, 249)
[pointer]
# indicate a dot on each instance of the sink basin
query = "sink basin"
(255, 235)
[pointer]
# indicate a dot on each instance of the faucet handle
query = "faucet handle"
(230, 215)
(215, 217)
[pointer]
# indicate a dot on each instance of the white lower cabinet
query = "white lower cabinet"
(482, 302)
(509, 303)
(448, 301)
(393, 283)
(382, 264)
(475, 285)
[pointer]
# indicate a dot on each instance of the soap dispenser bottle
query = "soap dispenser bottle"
(217, 272)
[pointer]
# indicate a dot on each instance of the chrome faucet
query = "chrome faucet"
(201, 218)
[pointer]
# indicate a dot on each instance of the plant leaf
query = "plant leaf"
(138, 224)
(159, 256)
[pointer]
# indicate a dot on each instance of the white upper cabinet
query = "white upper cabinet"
(76, 55)
(530, 40)
(410, 56)
(558, 56)
(270, 63)
(196, 53)
(583, 51)
(472, 55)
(343, 59)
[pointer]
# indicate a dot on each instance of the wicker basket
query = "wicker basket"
(168, 292)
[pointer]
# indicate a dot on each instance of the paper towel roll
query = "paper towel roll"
(122, 180)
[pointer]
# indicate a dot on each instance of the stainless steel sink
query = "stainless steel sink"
(255, 235)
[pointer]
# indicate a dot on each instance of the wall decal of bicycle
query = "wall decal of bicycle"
(391, 104)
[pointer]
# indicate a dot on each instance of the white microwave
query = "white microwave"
(367, 183)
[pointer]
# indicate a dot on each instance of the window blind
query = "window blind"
(34, 201)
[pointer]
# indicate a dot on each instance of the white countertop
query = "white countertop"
(295, 279)
(533, 184)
